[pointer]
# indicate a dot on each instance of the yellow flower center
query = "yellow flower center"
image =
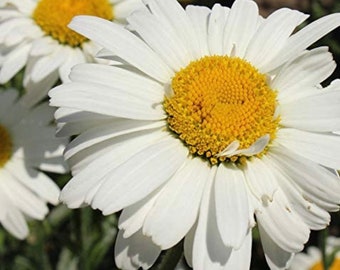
(217, 100)
(53, 16)
(5, 146)
(335, 265)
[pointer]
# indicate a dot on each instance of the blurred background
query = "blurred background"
(84, 239)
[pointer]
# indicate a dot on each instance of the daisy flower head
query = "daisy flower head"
(312, 260)
(34, 34)
(27, 146)
(213, 121)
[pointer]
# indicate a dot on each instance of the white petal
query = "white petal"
(125, 79)
(188, 244)
(257, 147)
(277, 258)
(135, 251)
(231, 205)
(217, 20)
(209, 252)
(172, 14)
(116, 128)
(240, 258)
(132, 217)
(47, 64)
(164, 42)
(230, 149)
(272, 35)
(260, 179)
(320, 148)
(76, 56)
(123, 43)
(273, 214)
(307, 175)
(303, 39)
(34, 180)
(123, 9)
(140, 175)
(315, 217)
(309, 69)
(24, 199)
(199, 17)
(15, 223)
(109, 101)
(177, 205)
(76, 190)
(43, 46)
(241, 26)
(14, 62)
(35, 92)
(319, 112)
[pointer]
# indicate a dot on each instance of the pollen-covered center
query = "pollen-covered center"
(335, 265)
(5, 146)
(53, 16)
(217, 100)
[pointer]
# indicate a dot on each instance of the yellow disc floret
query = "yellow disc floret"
(53, 16)
(217, 100)
(5, 146)
(334, 266)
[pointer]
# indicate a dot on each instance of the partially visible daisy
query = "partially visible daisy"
(312, 260)
(215, 120)
(35, 33)
(27, 146)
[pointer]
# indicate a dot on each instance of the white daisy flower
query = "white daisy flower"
(312, 260)
(213, 120)
(27, 146)
(35, 33)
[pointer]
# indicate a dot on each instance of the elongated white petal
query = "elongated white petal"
(135, 252)
(180, 198)
(209, 252)
(140, 175)
(320, 148)
(122, 78)
(163, 41)
(132, 217)
(241, 26)
(240, 258)
(34, 180)
(199, 18)
(47, 64)
(257, 147)
(307, 175)
(230, 149)
(171, 14)
(216, 23)
(123, 43)
(109, 101)
(232, 210)
(15, 223)
(277, 258)
(13, 63)
(27, 202)
(110, 130)
(309, 69)
(319, 112)
(314, 216)
(260, 179)
(76, 190)
(272, 35)
(276, 212)
(303, 39)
